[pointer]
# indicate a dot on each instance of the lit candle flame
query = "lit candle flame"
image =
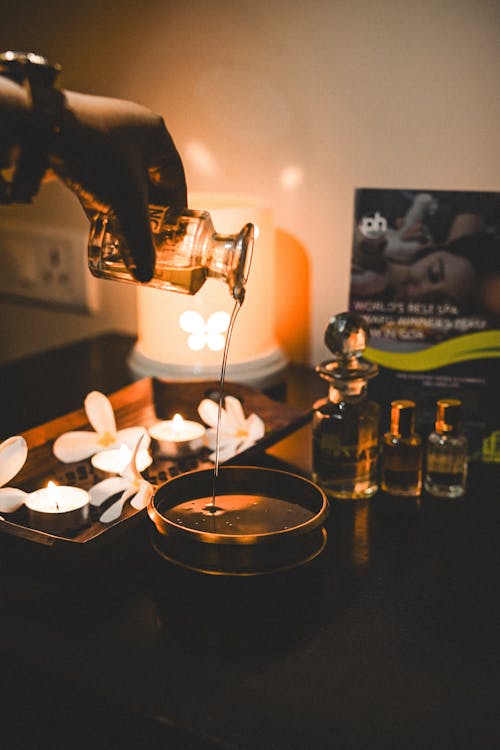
(177, 423)
(52, 492)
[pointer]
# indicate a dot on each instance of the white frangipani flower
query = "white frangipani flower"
(130, 483)
(81, 444)
(13, 454)
(237, 433)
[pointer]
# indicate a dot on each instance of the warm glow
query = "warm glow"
(189, 321)
(192, 322)
(205, 334)
(201, 158)
(218, 322)
(177, 423)
(291, 177)
(52, 493)
(192, 347)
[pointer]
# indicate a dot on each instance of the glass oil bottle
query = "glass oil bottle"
(447, 450)
(188, 251)
(402, 453)
(346, 423)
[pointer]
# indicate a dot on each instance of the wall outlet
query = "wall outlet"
(46, 266)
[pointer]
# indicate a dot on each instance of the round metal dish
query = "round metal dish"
(264, 521)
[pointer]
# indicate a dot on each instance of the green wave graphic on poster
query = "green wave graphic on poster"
(483, 345)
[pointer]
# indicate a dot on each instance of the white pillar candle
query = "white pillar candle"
(166, 351)
(58, 509)
(177, 437)
(116, 460)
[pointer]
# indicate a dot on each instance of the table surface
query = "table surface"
(390, 638)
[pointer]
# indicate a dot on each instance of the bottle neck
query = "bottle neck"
(347, 391)
(228, 258)
(402, 419)
(448, 430)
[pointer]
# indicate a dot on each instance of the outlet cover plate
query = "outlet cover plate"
(46, 266)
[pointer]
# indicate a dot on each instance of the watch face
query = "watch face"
(9, 55)
(12, 65)
(23, 57)
(17, 65)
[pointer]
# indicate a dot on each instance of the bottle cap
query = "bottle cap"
(346, 336)
(448, 415)
(402, 418)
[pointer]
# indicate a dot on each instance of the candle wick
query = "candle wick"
(51, 487)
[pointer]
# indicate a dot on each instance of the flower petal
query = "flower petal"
(114, 511)
(13, 454)
(131, 471)
(211, 438)
(101, 491)
(75, 446)
(146, 491)
(11, 499)
(234, 410)
(244, 445)
(208, 410)
(100, 414)
(227, 451)
(131, 435)
(255, 427)
(224, 438)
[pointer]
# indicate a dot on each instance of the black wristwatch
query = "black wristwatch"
(47, 106)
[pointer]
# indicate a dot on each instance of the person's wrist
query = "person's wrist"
(14, 123)
(39, 106)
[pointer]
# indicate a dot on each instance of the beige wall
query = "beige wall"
(333, 94)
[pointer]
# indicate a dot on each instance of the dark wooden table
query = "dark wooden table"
(390, 639)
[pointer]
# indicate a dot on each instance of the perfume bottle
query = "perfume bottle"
(401, 460)
(346, 423)
(188, 251)
(447, 448)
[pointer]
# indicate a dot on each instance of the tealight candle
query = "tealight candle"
(178, 437)
(57, 509)
(116, 460)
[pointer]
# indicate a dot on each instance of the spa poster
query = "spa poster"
(425, 274)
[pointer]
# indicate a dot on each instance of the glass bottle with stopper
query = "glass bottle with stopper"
(346, 423)
(401, 460)
(447, 449)
(188, 251)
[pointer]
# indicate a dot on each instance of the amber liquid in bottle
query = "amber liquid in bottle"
(346, 424)
(187, 249)
(401, 461)
(345, 443)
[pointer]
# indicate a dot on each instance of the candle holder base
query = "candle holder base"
(261, 372)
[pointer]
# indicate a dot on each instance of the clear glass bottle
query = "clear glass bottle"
(447, 450)
(346, 424)
(402, 453)
(188, 251)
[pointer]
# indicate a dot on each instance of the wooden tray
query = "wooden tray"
(139, 404)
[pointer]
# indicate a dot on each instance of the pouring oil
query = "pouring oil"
(212, 507)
